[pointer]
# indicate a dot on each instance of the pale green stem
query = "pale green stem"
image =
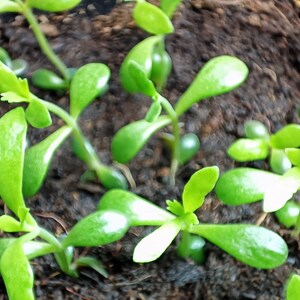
(50, 238)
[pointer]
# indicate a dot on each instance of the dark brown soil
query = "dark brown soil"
(266, 36)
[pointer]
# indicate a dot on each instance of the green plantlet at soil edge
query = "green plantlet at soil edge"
(253, 245)
(293, 288)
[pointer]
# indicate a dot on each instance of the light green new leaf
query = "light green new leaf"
(88, 82)
(152, 19)
(244, 185)
(48, 80)
(293, 155)
(142, 55)
(37, 115)
(199, 185)
(288, 214)
(248, 149)
(255, 246)
(38, 159)
(13, 128)
(155, 244)
(53, 5)
(9, 224)
(99, 228)
(9, 6)
(218, 76)
(138, 211)
(169, 6)
(136, 135)
(175, 207)
(293, 288)
(12, 97)
(282, 190)
(286, 137)
(279, 161)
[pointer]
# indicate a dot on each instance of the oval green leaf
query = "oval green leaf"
(288, 214)
(152, 19)
(199, 185)
(88, 82)
(53, 5)
(48, 80)
(37, 114)
(169, 6)
(189, 146)
(7, 6)
(138, 211)
(130, 139)
(244, 185)
(287, 137)
(294, 156)
(293, 288)
(99, 228)
(218, 76)
(279, 161)
(111, 178)
(256, 130)
(253, 245)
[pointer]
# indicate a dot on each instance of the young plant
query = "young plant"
(253, 245)
(293, 288)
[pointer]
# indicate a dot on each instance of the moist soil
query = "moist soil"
(265, 35)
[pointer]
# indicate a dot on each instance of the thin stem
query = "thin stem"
(43, 42)
(50, 238)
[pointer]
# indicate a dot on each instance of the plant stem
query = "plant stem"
(44, 44)
(50, 238)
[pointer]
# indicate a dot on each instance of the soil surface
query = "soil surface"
(266, 36)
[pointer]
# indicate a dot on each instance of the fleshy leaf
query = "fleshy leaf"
(169, 6)
(175, 207)
(88, 82)
(152, 19)
(198, 186)
(137, 210)
(293, 288)
(248, 149)
(286, 137)
(244, 185)
(253, 245)
(13, 128)
(9, 224)
(293, 155)
(48, 80)
(111, 178)
(53, 5)
(38, 159)
(99, 228)
(189, 146)
(7, 6)
(218, 76)
(256, 130)
(136, 135)
(37, 114)
(12, 97)
(282, 190)
(155, 244)
(279, 161)
(153, 112)
(288, 214)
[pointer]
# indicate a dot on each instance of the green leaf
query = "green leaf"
(48, 80)
(9, 224)
(7, 6)
(33, 249)
(189, 146)
(175, 207)
(279, 161)
(155, 244)
(288, 214)
(37, 114)
(138, 211)
(13, 128)
(282, 190)
(4, 56)
(111, 178)
(153, 112)
(248, 149)
(136, 135)
(169, 6)
(256, 130)
(244, 185)
(53, 5)
(152, 19)
(253, 245)
(286, 137)
(142, 55)
(12, 97)
(199, 185)
(218, 76)
(99, 228)
(293, 288)
(9, 82)
(88, 82)
(294, 156)
(87, 261)
(38, 159)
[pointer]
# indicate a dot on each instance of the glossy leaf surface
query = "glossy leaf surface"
(244, 185)
(137, 210)
(88, 82)
(152, 19)
(13, 128)
(294, 156)
(99, 228)
(111, 178)
(279, 161)
(248, 149)
(53, 5)
(287, 137)
(155, 244)
(37, 114)
(198, 186)
(218, 76)
(9, 6)
(253, 245)
(48, 80)
(130, 139)
(288, 214)
(189, 146)
(38, 159)
(169, 6)
(293, 288)
(256, 130)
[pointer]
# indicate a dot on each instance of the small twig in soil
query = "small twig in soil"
(127, 174)
(261, 219)
(55, 218)
(79, 295)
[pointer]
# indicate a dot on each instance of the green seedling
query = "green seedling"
(293, 288)
(96, 229)
(18, 66)
(89, 82)
(253, 245)
(218, 76)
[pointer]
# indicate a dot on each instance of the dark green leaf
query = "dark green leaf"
(189, 146)
(218, 76)
(53, 5)
(37, 114)
(294, 156)
(256, 130)
(169, 6)
(288, 214)
(253, 245)
(287, 137)
(293, 288)
(48, 80)
(279, 161)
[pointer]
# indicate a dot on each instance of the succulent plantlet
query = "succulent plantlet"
(293, 288)
(253, 245)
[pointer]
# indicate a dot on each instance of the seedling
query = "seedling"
(253, 245)
(293, 288)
